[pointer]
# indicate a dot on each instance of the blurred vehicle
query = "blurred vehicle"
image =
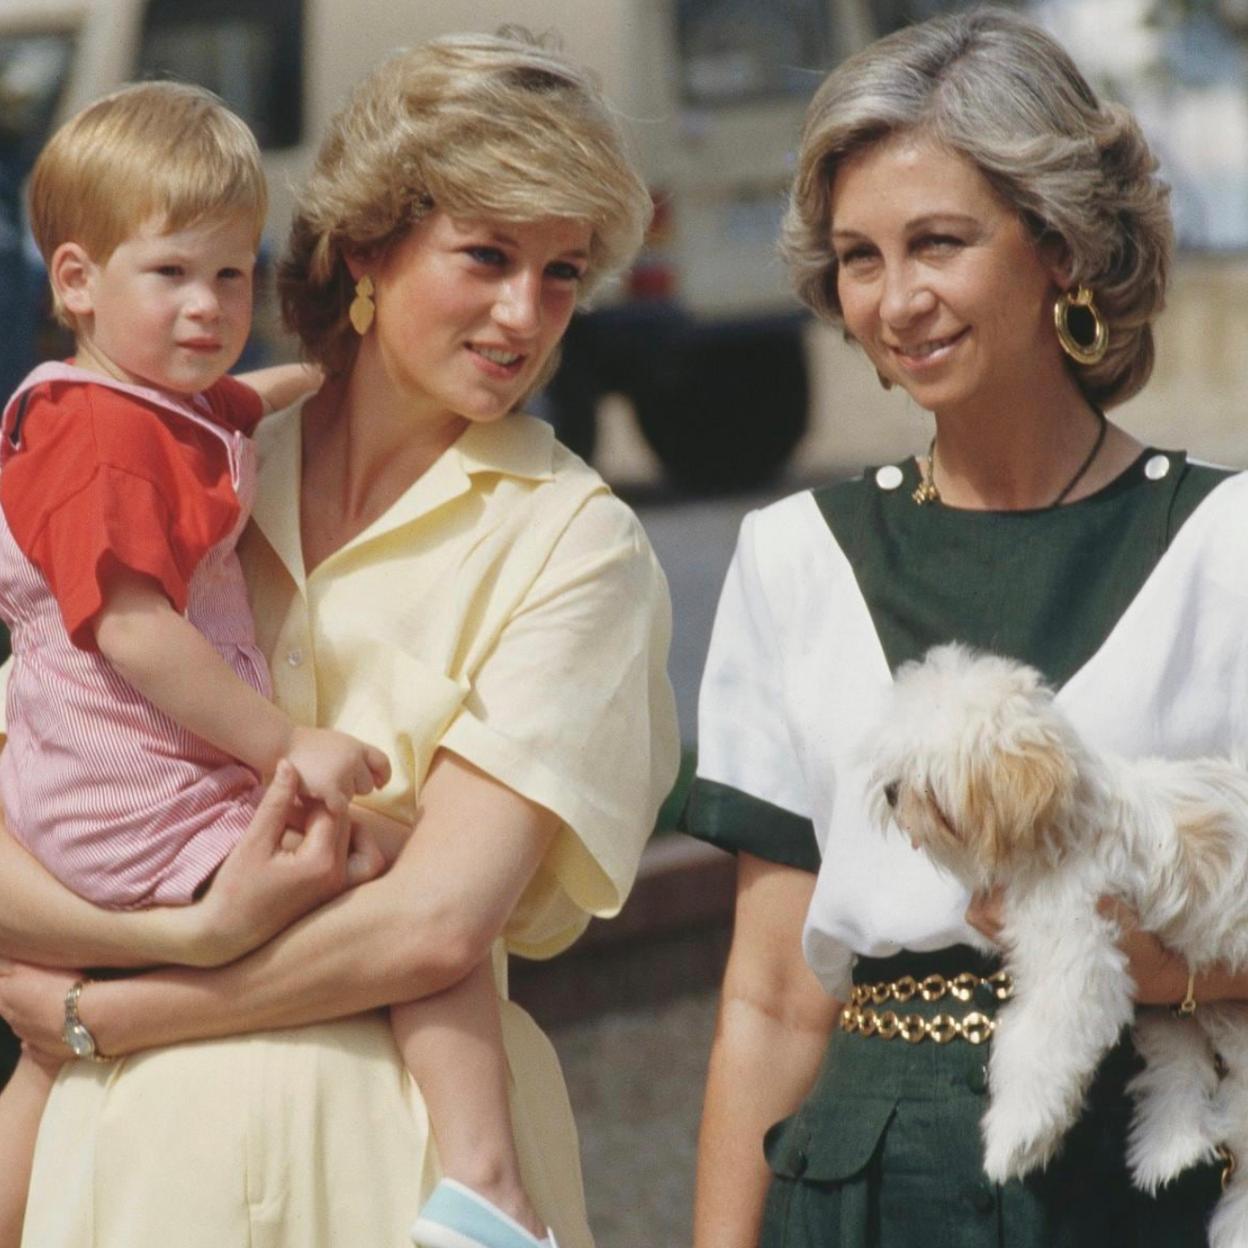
(702, 336)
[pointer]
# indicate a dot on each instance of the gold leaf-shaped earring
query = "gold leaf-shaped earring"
(362, 309)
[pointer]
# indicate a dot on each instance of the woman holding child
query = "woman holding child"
(432, 574)
(997, 242)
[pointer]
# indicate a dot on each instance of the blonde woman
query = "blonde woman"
(428, 568)
(996, 241)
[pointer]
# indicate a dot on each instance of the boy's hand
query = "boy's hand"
(272, 877)
(334, 768)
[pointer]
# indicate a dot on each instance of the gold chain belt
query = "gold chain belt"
(861, 1016)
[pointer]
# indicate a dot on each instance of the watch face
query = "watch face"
(79, 1040)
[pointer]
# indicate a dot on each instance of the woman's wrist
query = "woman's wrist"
(1219, 983)
(1185, 991)
(116, 1029)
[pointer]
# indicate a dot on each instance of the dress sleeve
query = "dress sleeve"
(573, 710)
(749, 793)
(101, 483)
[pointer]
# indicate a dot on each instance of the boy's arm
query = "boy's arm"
(170, 662)
(166, 658)
(283, 384)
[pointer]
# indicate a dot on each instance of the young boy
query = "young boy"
(139, 716)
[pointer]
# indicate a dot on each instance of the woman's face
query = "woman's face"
(938, 279)
(468, 311)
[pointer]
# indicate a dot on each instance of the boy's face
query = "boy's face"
(170, 310)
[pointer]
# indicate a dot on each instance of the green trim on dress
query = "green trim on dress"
(1044, 586)
(735, 821)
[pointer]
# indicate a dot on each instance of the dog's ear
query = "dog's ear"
(1018, 798)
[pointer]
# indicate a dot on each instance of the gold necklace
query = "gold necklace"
(926, 492)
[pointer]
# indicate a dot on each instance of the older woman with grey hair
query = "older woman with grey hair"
(429, 566)
(996, 241)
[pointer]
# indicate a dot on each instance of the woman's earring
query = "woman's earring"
(885, 382)
(1081, 330)
(362, 309)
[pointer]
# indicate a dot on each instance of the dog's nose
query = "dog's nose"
(890, 794)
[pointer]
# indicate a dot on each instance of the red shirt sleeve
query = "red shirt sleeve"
(235, 405)
(102, 481)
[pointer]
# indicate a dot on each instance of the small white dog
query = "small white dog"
(980, 768)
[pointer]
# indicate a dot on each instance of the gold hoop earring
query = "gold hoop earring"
(362, 309)
(1082, 352)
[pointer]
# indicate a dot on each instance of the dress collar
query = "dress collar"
(517, 446)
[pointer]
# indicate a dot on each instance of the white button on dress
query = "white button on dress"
(889, 477)
(1157, 467)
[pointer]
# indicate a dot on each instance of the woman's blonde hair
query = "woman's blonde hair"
(1000, 91)
(495, 126)
(164, 151)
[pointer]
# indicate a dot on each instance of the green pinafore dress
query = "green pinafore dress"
(885, 1151)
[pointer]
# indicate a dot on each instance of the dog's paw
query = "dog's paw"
(1157, 1157)
(1005, 1161)
(1014, 1147)
(1229, 1226)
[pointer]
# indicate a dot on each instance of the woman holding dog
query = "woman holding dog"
(427, 564)
(996, 241)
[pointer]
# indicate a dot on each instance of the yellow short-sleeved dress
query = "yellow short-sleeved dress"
(509, 608)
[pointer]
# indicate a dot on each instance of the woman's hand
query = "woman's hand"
(269, 880)
(984, 914)
(32, 1002)
(1159, 974)
(424, 925)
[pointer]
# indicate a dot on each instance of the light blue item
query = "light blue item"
(455, 1216)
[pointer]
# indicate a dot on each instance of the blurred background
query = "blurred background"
(695, 384)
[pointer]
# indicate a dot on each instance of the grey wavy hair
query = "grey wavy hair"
(1000, 91)
(496, 126)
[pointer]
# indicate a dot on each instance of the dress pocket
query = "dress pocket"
(821, 1163)
(829, 1148)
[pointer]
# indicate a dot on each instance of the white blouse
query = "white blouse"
(796, 674)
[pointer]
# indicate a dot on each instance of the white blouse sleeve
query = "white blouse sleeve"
(744, 740)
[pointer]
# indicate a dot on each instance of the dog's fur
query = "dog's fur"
(976, 763)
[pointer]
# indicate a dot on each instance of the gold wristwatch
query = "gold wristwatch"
(76, 1034)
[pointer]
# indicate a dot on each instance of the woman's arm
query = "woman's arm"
(771, 1033)
(1159, 974)
(421, 927)
(259, 889)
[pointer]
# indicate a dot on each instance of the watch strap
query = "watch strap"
(76, 1034)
